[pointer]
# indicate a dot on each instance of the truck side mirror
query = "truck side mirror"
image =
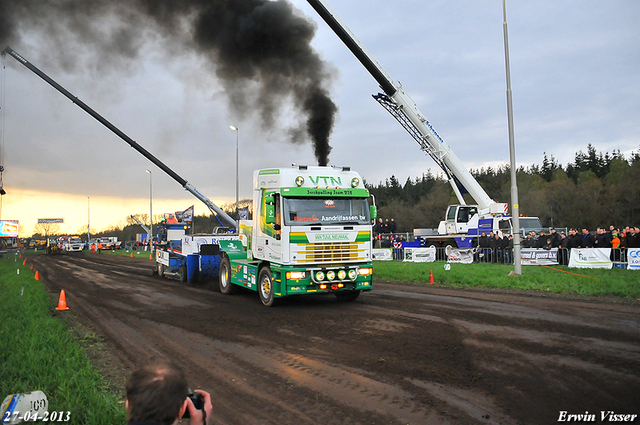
(269, 209)
(270, 213)
(373, 211)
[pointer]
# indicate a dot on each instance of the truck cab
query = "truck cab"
(311, 233)
(73, 244)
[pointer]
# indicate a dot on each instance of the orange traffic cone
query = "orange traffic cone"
(31, 268)
(132, 255)
(431, 281)
(37, 275)
(150, 257)
(62, 302)
(24, 262)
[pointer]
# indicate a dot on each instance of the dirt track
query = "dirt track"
(397, 355)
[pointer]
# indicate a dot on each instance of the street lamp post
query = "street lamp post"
(515, 208)
(88, 219)
(234, 128)
(150, 210)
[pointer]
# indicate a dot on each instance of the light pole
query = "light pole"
(515, 208)
(88, 219)
(150, 210)
(234, 128)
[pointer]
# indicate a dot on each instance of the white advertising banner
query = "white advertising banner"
(456, 255)
(420, 255)
(382, 254)
(633, 259)
(591, 258)
(539, 256)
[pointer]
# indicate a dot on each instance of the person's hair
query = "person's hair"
(156, 391)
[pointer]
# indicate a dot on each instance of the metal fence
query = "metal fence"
(505, 256)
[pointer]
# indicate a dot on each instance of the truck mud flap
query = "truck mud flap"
(209, 267)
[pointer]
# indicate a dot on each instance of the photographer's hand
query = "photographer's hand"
(204, 416)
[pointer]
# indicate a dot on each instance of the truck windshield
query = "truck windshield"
(315, 211)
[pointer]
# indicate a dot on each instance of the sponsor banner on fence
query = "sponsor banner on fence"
(592, 258)
(51, 220)
(455, 255)
(420, 255)
(633, 258)
(539, 256)
(384, 254)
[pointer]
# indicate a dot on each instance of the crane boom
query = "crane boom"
(144, 227)
(398, 102)
(187, 186)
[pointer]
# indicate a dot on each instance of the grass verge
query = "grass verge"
(602, 282)
(39, 352)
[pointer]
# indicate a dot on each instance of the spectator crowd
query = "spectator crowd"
(494, 248)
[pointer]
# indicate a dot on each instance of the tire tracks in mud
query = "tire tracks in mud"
(398, 355)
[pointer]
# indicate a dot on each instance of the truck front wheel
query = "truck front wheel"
(226, 287)
(265, 287)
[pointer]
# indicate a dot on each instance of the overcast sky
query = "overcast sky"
(574, 71)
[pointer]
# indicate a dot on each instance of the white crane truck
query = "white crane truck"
(463, 222)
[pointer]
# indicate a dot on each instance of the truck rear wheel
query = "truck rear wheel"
(224, 279)
(347, 296)
(265, 287)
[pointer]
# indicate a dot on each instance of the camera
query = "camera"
(198, 402)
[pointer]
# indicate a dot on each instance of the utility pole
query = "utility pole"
(515, 208)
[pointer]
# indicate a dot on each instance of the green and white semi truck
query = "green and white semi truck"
(310, 234)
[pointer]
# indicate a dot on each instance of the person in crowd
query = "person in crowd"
(588, 241)
(483, 247)
(575, 240)
(602, 238)
(386, 241)
(379, 230)
(633, 238)
(527, 242)
(495, 243)
(534, 239)
(507, 249)
(157, 394)
(615, 245)
(563, 250)
(537, 241)
(393, 227)
(555, 238)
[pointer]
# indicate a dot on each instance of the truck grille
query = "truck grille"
(330, 252)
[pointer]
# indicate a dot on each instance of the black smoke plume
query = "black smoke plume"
(260, 50)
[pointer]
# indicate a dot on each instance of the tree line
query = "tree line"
(596, 189)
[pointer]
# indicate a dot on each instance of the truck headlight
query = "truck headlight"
(342, 275)
(353, 274)
(331, 275)
(319, 276)
(296, 275)
(365, 271)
